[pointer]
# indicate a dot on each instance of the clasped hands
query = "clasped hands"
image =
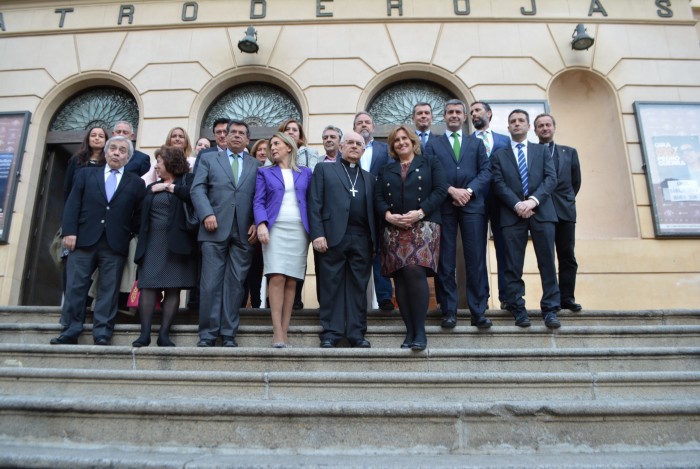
(403, 221)
(460, 197)
(525, 208)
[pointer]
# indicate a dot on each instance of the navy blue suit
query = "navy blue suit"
(492, 203)
(472, 170)
(139, 163)
(103, 230)
(507, 186)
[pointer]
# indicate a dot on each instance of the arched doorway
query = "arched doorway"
(262, 106)
(587, 115)
(104, 106)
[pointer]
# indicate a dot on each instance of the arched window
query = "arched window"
(394, 104)
(103, 106)
(259, 105)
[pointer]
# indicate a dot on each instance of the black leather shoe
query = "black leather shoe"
(481, 322)
(206, 343)
(504, 306)
(63, 340)
(101, 340)
(449, 320)
(575, 307)
(418, 346)
(407, 342)
(298, 305)
(552, 321)
(140, 342)
(386, 305)
(327, 343)
(522, 319)
(228, 341)
(163, 342)
(364, 343)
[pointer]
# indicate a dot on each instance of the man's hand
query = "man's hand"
(69, 242)
(525, 209)
(253, 234)
(210, 223)
(460, 197)
(320, 244)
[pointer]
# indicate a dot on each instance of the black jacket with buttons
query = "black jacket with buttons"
(425, 188)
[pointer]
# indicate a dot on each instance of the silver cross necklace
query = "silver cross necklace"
(353, 191)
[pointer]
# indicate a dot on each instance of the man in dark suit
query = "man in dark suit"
(341, 219)
(375, 156)
(523, 181)
(139, 163)
(102, 213)
(422, 117)
(481, 115)
(222, 195)
(468, 174)
(568, 169)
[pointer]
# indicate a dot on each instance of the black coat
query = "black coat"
(180, 239)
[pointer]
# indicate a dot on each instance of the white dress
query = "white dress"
(289, 244)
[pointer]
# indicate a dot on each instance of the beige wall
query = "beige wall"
(334, 67)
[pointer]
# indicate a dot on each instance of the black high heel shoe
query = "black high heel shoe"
(407, 342)
(141, 342)
(165, 342)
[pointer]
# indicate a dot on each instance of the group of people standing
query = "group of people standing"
(222, 218)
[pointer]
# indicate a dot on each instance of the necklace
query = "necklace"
(353, 191)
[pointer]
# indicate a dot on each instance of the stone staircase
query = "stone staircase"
(608, 389)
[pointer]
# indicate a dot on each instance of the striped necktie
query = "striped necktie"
(522, 166)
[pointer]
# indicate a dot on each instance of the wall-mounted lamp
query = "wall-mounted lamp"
(580, 38)
(249, 44)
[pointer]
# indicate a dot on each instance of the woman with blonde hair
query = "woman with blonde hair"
(178, 138)
(279, 208)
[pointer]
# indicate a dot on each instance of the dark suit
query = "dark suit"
(492, 211)
(103, 230)
(473, 170)
(139, 163)
(226, 252)
(180, 239)
(508, 187)
(568, 168)
(344, 269)
(380, 157)
(206, 151)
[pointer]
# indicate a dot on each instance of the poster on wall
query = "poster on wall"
(13, 135)
(670, 138)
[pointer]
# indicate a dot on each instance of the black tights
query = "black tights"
(413, 296)
(147, 305)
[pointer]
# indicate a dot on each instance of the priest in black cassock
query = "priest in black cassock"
(341, 219)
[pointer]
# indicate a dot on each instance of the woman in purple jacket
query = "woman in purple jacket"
(283, 229)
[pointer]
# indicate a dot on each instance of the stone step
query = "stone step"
(351, 386)
(537, 336)
(333, 425)
(65, 455)
(467, 360)
(51, 315)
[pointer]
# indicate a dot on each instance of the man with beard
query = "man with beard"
(481, 120)
(523, 180)
(568, 169)
(375, 156)
(422, 117)
(331, 137)
(468, 174)
(341, 216)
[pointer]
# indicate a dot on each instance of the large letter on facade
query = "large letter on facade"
(63, 12)
(532, 12)
(263, 10)
(462, 12)
(394, 5)
(664, 10)
(126, 11)
(596, 7)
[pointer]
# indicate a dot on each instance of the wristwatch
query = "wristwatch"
(421, 214)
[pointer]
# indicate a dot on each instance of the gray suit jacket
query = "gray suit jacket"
(214, 193)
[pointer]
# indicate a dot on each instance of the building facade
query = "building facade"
(162, 63)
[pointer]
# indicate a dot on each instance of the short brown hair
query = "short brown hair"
(302, 135)
(174, 160)
(411, 135)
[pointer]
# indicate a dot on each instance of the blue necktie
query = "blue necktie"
(422, 138)
(522, 166)
(111, 184)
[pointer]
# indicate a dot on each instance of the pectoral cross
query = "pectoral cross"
(353, 191)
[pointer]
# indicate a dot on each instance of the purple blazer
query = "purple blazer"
(269, 191)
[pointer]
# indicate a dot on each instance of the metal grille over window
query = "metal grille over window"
(257, 105)
(394, 104)
(102, 107)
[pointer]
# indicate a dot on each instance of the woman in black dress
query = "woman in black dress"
(166, 246)
(407, 196)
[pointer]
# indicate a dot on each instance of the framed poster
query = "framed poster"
(670, 137)
(501, 109)
(13, 136)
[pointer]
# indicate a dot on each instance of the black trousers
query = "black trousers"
(565, 241)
